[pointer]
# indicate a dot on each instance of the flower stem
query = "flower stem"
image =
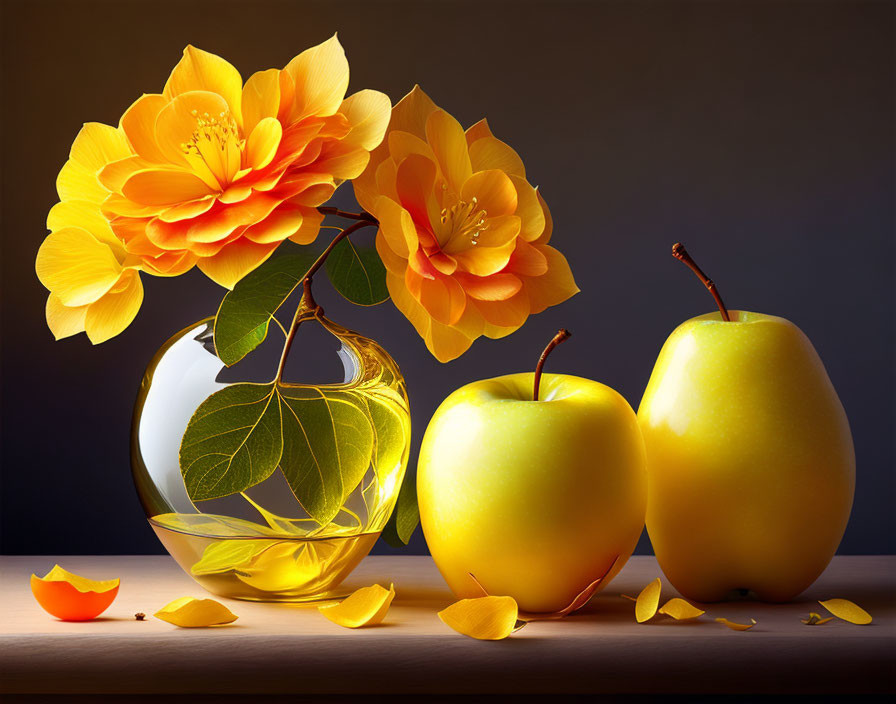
(308, 306)
(681, 254)
(363, 215)
(562, 334)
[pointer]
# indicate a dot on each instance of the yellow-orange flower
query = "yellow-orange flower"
(463, 235)
(209, 172)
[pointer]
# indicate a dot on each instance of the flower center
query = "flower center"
(215, 145)
(462, 223)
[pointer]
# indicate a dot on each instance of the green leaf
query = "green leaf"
(327, 447)
(357, 273)
(233, 441)
(388, 414)
(227, 555)
(246, 311)
(405, 517)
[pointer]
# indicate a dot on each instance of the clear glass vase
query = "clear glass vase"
(261, 544)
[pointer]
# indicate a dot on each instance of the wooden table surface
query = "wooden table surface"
(290, 649)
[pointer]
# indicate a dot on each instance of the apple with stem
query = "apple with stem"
(750, 459)
(532, 486)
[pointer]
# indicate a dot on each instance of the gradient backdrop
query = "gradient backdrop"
(761, 134)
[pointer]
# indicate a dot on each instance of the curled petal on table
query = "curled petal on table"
(816, 619)
(365, 607)
(680, 610)
(71, 597)
(847, 610)
(483, 618)
(648, 601)
(190, 612)
(737, 626)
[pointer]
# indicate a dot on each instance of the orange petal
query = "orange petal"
(478, 131)
(529, 209)
(446, 137)
(114, 174)
(443, 298)
(508, 314)
(263, 142)
(368, 112)
(138, 123)
(396, 226)
(484, 261)
(276, 227)
(414, 183)
(70, 597)
(403, 144)
(491, 153)
(164, 187)
(493, 190)
(202, 71)
(234, 261)
(320, 78)
(527, 260)
(554, 286)
(310, 227)
(498, 287)
(187, 210)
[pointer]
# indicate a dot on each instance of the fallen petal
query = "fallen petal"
(680, 610)
(190, 612)
(648, 601)
(580, 600)
(365, 607)
(847, 610)
(70, 597)
(737, 626)
(483, 618)
(816, 619)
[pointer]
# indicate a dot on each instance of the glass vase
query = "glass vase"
(261, 544)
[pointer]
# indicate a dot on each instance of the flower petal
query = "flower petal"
(234, 261)
(112, 313)
(263, 142)
(446, 137)
(368, 113)
(491, 153)
(498, 287)
(509, 314)
(648, 601)
(483, 618)
(680, 610)
(527, 260)
(201, 70)
(529, 209)
(190, 612)
(86, 216)
(442, 297)
(310, 227)
(478, 131)
(64, 321)
(77, 182)
(494, 191)
(365, 607)
(139, 122)
(98, 144)
(736, 626)
(396, 226)
(414, 183)
(320, 78)
(260, 98)
(187, 210)
(484, 261)
(847, 610)
(164, 187)
(552, 287)
(70, 597)
(76, 266)
(276, 227)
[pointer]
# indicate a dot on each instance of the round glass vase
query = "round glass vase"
(261, 544)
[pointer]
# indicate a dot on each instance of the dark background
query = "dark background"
(761, 134)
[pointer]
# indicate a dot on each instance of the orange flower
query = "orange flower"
(463, 235)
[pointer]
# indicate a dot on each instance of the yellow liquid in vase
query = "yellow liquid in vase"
(267, 569)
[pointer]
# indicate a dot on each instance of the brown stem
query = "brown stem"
(308, 304)
(363, 215)
(562, 334)
(681, 254)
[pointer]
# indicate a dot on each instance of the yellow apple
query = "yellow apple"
(750, 460)
(536, 499)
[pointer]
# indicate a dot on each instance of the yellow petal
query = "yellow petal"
(847, 610)
(310, 227)
(276, 227)
(138, 123)
(82, 584)
(190, 612)
(261, 98)
(446, 137)
(200, 70)
(680, 610)
(263, 142)
(365, 607)
(483, 618)
(320, 77)
(492, 153)
(76, 266)
(62, 320)
(648, 601)
(552, 287)
(234, 261)
(112, 313)
(396, 227)
(478, 131)
(368, 113)
(493, 190)
(737, 626)
(98, 144)
(179, 120)
(86, 216)
(411, 113)
(78, 182)
(529, 209)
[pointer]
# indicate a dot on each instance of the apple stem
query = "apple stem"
(681, 254)
(562, 334)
